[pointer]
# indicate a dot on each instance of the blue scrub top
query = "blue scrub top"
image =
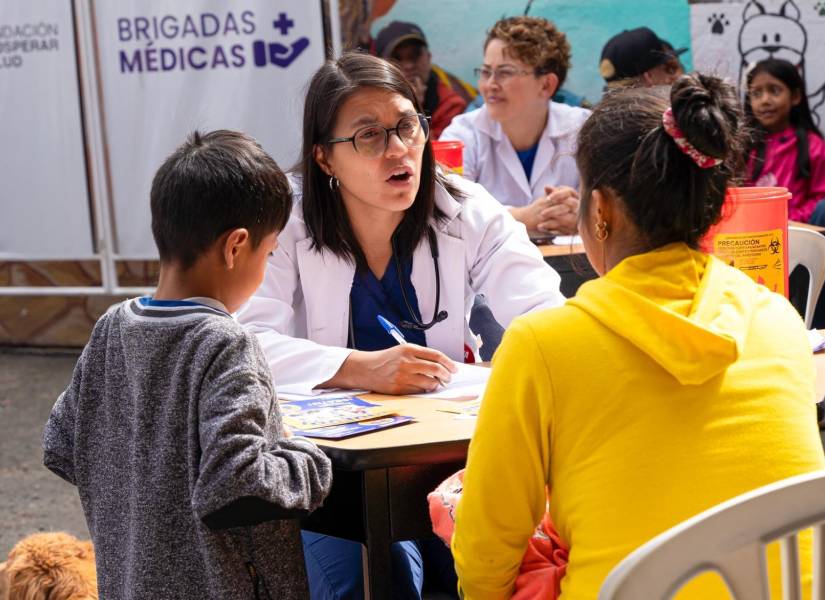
(527, 158)
(371, 297)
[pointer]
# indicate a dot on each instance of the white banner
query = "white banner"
(44, 195)
(728, 36)
(170, 67)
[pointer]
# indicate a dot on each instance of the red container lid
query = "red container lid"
(449, 153)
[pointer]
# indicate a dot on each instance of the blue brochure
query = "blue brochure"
(338, 432)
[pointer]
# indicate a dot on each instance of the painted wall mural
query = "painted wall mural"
(456, 34)
(357, 17)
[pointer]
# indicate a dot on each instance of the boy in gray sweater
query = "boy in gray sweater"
(170, 428)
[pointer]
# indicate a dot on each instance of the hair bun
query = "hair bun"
(707, 110)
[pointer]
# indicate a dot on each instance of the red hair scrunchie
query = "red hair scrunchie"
(703, 161)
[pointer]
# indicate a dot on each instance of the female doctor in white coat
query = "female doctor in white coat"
(371, 203)
(520, 145)
(379, 231)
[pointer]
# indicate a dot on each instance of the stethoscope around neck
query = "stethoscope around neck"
(415, 323)
(438, 315)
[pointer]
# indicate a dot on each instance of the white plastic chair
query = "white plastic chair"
(807, 248)
(730, 539)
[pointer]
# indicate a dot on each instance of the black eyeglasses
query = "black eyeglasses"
(372, 140)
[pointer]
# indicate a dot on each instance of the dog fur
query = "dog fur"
(49, 566)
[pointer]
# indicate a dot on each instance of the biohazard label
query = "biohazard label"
(760, 255)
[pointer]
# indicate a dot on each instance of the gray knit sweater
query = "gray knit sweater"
(172, 434)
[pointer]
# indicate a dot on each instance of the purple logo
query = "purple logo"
(276, 53)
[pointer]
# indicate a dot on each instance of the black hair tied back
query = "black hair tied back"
(669, 197)
(706, 110)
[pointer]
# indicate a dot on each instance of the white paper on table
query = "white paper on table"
(468, 382)
(566, 240)
(816, 340)
(285, 394)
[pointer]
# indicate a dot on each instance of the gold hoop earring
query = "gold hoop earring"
(602, 232)
(334, 183)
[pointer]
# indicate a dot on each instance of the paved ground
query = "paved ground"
(31, 497)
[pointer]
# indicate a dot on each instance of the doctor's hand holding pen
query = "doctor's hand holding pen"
(402, 369)
(554, 212)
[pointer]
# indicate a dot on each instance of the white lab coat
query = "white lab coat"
(491, 160)
(300, 313)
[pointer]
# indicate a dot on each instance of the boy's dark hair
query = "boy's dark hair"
(325, 216)
(212, 183)
(800, 117)
(536, 42)
(624, 148)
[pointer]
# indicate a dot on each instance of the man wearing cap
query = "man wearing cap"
(441, 94)
(639, 57)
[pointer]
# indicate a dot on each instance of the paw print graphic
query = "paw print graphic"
(819, 7)
(718, 22)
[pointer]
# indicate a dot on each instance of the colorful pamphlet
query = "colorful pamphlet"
(345, 430)
(464, 409)
(324, 412)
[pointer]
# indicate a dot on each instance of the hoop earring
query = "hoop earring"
(334, 183)
(601, 231)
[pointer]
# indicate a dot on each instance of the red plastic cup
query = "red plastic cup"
(450, 154)
(752, 234)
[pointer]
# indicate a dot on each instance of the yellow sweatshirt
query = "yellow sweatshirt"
(667, 386)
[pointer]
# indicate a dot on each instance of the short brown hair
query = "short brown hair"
(536, 42)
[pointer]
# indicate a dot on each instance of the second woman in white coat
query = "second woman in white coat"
(379, 230)
(520, 145)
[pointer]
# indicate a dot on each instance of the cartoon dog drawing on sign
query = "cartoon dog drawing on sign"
(772, 35)
(778, 34)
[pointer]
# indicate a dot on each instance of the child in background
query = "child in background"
(170, 428)
(788, 149)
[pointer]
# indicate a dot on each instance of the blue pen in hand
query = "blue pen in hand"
(392, 330)
(397, 335)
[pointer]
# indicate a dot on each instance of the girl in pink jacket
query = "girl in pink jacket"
(788, 149)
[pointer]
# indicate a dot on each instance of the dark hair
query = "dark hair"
(536, 42)
(800, 117)
(212, 183)
(325, 216)
(624, 148)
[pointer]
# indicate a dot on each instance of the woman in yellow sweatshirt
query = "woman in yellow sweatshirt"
(668, 385)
